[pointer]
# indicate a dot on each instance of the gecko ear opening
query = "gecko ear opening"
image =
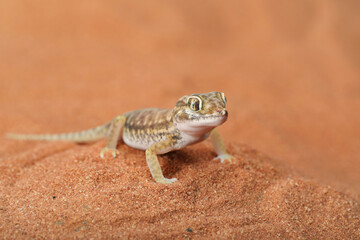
(194, 103)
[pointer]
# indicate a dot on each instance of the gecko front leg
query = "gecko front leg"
(219, 147)
(114, 131)
(153, 162)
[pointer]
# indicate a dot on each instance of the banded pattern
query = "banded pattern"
(92, 134)
(148, 126)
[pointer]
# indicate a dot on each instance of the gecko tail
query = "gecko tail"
(82, 136)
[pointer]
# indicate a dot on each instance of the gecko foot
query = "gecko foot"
(224, 157)
(167, 180)
(105, 149)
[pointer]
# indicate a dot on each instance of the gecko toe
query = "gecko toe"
(172, 180)
(106, 149)
(224, 158)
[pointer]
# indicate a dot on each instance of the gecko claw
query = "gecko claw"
(105, 149)
(224, 157)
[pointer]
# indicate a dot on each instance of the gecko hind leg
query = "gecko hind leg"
(153, 162)
(117, 124)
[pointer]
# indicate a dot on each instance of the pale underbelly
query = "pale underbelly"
(147, 142)
(136, 144)
(142, 143)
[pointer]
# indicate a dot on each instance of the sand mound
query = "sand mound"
(65, 190)
(289, 69)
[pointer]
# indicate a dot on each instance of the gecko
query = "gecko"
(157, 131)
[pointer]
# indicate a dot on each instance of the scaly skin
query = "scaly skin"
(158, 131)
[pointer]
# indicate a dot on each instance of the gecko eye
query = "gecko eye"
(194, 103)
(223, 98)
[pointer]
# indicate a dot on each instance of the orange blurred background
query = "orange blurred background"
(290, 70)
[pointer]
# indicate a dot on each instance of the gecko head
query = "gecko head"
(200, 113)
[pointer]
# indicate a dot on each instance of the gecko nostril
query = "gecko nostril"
(223, 112)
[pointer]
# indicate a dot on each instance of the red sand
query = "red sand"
(70, 192)
(291, 75)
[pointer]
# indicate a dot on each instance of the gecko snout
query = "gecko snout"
(223, 112)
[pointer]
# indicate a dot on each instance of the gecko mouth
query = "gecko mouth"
(200, 125)
(220, 114)
(206, 121)
(214, 119)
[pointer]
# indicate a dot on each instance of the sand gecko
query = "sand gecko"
(157, 131)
